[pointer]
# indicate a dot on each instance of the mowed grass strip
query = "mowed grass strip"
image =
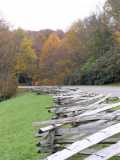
(17, 141)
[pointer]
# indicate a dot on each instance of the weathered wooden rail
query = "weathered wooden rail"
(82, 124)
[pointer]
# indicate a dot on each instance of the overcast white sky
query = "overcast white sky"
(42, 14)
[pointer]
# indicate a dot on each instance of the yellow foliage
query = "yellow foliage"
(27, 49)
(20, 64)
(117, 37)
(26, 56)
(51, 44)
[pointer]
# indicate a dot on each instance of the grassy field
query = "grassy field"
(16, 132)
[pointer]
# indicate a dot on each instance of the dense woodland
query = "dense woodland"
(88, 53)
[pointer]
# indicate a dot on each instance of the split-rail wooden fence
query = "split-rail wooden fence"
(83, 124)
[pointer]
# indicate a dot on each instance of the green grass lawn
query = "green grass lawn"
(17, 141)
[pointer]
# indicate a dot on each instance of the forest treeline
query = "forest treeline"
(88, 53)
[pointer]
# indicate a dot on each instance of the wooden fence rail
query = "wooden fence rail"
(81, 123)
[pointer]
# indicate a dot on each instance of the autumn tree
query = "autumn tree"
(51, 44)
(7, 61)
(25, 56)
(47, 58)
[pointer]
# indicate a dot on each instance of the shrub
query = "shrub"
(7, 88)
